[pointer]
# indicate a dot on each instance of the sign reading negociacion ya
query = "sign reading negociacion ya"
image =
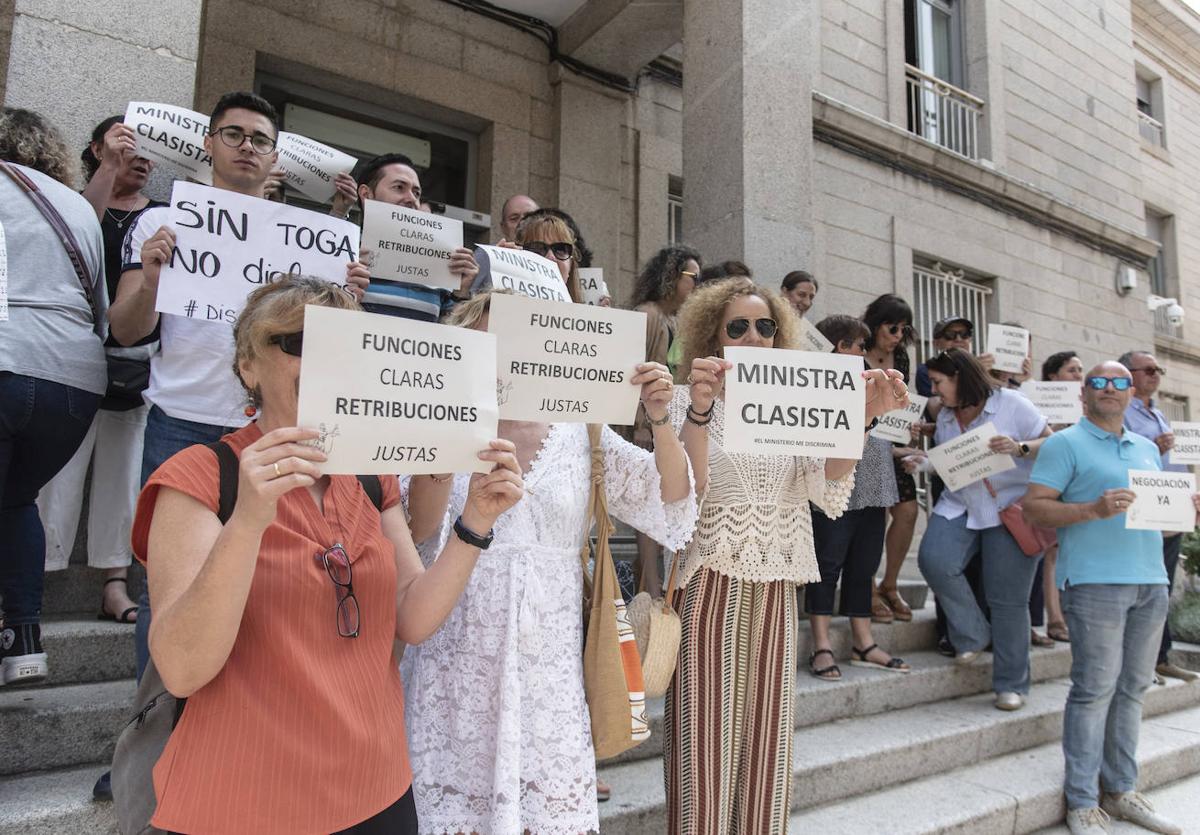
(784, 402)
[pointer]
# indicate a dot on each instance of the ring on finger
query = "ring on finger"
(277, 473)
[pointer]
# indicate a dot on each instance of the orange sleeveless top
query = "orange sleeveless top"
(302, 730)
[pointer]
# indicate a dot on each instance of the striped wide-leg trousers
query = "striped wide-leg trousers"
(729, 711)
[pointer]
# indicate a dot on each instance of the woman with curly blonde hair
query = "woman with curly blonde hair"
(728, 722)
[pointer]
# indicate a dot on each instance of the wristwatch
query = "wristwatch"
(874, 422)
(470, 537)
(1024, 449)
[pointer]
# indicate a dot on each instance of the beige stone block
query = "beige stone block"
(542, 157)
(427, 42)
(596, 210)
(507, 68)
(462, 92)
(473, 26)
(589, 139)
(227, 66)
(541, 119)
(151, 24)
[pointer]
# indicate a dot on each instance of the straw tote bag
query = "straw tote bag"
(657, 628)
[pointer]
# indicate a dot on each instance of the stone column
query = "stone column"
(748, 70)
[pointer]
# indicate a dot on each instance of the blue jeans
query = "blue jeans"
(1115, 632)
(165, 436)
(42, 423)
(946, 549)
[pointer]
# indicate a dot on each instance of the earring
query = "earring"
(250, 411)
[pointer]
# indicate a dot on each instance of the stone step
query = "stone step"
(1186, 655)
(1178, 802)
(855, 758)
(1014, 793)
(59, 727)
(76, 589)
(54, 803)
(82, 650)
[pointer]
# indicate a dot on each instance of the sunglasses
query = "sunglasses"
(1101, 383)
(737, 328)
(562, 251)
(233, 136)
(896, 330)
(1153, 371)
(957, 335)
(688, 273)
(291, 344)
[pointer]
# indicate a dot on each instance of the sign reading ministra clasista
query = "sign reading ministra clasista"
(170, 135)
(393, 395)
(525, 274)
(227, 244)
(566, 363)
(784, 402)
(310, 166)
(896, 425)
(409, 245)
(1187, 443)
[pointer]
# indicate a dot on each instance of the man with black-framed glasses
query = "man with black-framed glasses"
(1147, 420)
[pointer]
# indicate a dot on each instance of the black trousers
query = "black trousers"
(398, 819)
(1171, 547)
(851, 547)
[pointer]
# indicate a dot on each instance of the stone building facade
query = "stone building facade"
(1021, 160)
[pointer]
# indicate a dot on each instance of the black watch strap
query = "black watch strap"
(874, 422)
(470, 537)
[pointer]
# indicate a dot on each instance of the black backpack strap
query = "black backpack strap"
(374, 490)
(227, 460)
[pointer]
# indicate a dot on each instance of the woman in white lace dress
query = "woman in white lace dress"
(499, 733)
(728, 723)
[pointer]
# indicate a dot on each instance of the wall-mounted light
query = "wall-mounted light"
(1127, 279)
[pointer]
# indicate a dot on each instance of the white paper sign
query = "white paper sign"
(1058, 402)
(170, 135)
(227, 244)
(394, 395)
(592, 281)
(812, 339)
(3, 277)
(895, 426)
(967, 458)
(784, 402)
(310, 167)
(412, 246)
(525, 274)
(1187, 443)
(1009, 345)
(1163, 503)
(566, 363)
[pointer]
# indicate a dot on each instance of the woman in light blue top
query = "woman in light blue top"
(967, 521)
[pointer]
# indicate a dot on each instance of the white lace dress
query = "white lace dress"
(498, 728)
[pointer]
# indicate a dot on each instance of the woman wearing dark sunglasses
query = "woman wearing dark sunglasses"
(278, 626)
(549, 236)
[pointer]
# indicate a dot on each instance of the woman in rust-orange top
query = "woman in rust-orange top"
(278, 626)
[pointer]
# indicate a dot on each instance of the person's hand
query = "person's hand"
(905, 451)
(119, 140)
(507, 244)
(1113, 502)
(1165, 442)
(657, 388)
(886, 392)
(605, 301)
(987, 361)
(922, 429)
(345, 195)
(1004, 445)
(706, 381)
(490, 494)
(156, 251)
(357, 279)
(914, 463)
(275, 464)
(1026, 370)
(273, 186)
(464, 265)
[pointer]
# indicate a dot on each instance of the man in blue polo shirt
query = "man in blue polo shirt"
(1114, 595)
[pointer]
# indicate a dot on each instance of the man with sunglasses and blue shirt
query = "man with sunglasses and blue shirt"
(1144, 418)
(1114, 595)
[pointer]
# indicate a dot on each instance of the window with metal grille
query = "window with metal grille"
(940, 291)
(1174, 407)
(674, 211)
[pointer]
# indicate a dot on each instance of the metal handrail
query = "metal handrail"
(943, 87)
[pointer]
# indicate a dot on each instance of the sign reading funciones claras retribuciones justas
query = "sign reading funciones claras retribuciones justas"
(1163, 503)
(411, 246)
(783, 402)
(524, 273)
(311, 167)
(1059, 402)
(228, 244)
(394, 395)
(1009, 346)
(170, 135)
(566, 363)
(968, 458)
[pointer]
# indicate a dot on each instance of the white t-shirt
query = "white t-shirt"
(191, 376)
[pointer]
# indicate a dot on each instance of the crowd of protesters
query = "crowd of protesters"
(483, 727)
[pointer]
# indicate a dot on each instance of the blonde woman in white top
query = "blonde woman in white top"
(728, 725)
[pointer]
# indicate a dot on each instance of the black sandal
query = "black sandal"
(124, 616)
(895, 665)
(831, 673)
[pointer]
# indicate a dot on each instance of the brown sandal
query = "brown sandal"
(881, 612)
(1058, 632)
(1039, 640)
(900, 609)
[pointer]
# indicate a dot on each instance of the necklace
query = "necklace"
(120, 221)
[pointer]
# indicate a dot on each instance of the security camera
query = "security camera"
(1173, 311)
(1175, 315)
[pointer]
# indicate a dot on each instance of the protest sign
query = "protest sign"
(1009, 346)
(1058, 402)
(591, 279)
(812, 339)
(227, 244)
(1163, 503)
(524, 273)
(310, 167)
(895, 426)
(170, 135)
(3, 277)
(1187, 443)
(566, 363)
(394, 395)
(784, 402)
(409, 245)
(967, 458)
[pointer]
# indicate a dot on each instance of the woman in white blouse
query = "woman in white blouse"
(728, 725)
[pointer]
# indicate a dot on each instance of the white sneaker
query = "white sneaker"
(1009, 701)
(966, 659)
(1135, 808)
(1090, 821)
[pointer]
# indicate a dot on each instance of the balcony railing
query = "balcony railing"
(942, 113)
(1150, 128)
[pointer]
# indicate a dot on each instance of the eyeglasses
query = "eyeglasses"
(337, 566)
(895, 330)
(688, 273)
(737, 328)
(1153, 371)
(233, 136)
(562, 251)
(1101, 383)
(954, 336)
(290, 343)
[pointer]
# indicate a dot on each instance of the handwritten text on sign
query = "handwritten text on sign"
(783, 402)
(412, 246)
(1009, 345)
(896, 426)
(396, 396)
(228, 244)
(1187, 443)
(1163, 503)
(967, 458)
(171, 135)
(591, 279)
(567, 363)
(310, 167)
(525, 274)
(1059, 402)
